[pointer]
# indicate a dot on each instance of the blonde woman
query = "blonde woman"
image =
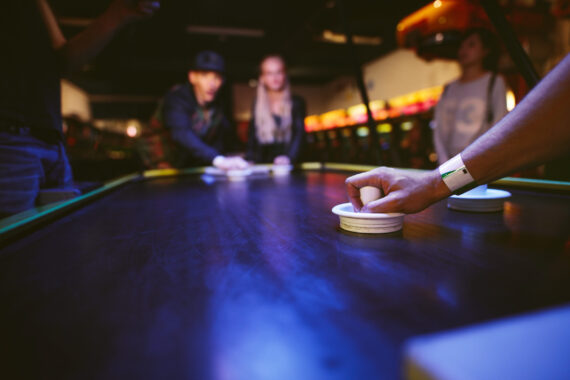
(277, 126)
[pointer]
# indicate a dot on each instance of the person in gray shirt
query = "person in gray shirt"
(473, 103)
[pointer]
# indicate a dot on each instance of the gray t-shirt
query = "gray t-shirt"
(460, 115)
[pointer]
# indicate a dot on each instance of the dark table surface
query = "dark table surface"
(179, 278)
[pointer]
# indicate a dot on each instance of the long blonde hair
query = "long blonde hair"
(267, 130)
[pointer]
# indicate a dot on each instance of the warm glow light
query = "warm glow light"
(362, 132)
(330, 36)
(511, 102)
(410, 103)
(432, 157)
(384, 128)
(407, 126)
(437, 3)
(132, 130)
(337, 38)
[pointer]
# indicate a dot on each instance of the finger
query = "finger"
(369, 178)
(238, 163)
(354, 183)
(353, 195)
(232, 164)
(387, 204)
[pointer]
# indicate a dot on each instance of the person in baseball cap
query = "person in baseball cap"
(208, 60)
(189, 127)
(207, 75)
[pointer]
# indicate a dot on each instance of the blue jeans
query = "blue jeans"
(28, 164)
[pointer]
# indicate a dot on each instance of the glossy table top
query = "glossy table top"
(182, 278)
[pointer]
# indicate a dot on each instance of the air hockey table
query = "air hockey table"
(173, 275)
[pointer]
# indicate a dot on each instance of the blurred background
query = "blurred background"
(404, 51)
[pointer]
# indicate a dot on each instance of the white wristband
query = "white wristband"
(455, 175)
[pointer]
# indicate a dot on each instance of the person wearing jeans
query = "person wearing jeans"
(35, 55)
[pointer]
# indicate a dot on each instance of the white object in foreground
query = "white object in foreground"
(367, 223)
(479, 199)
(531, 346)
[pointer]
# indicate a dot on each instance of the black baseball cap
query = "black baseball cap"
(208, 60)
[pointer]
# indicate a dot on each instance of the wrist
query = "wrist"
(438, 188)
(455, 175)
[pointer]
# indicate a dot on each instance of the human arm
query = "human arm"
(55, 35)
(177, 118)
(534, 132)
(251, 137)
(87, 44)
(298, 126)
(231, 143)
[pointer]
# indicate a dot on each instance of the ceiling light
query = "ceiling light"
(340, 38)
(225, 31)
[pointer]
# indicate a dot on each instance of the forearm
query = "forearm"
(196, 147)
(92, 40)
(534, 132)
(250, 151)
(298, 132)
(251, 141)
(295, 147)
(56, 37)
(86, 45)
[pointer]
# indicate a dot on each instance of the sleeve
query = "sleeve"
(177, 119)
(298, 126)
(499, 98)
(231, 142)
(251, 137)
(438, 145)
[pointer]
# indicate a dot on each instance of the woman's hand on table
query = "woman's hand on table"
(282, 160)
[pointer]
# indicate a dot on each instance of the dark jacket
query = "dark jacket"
(179, 135)
(30, 69)
(267, 152)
